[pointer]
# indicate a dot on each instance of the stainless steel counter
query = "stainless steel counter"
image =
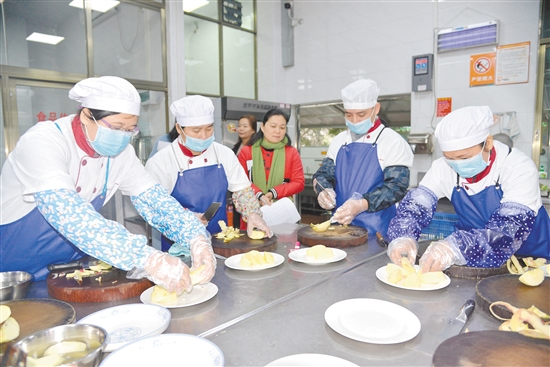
(258, 317)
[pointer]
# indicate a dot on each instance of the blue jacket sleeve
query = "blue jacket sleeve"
(77, 220)
(167, 215)
(489, 247)
(414, 213)
(393, 189)
(325, 176)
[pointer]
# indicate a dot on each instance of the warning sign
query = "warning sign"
(444, 106)
(482, 69)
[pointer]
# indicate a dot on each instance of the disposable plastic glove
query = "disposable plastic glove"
(199, 217)
(165, 270)
(256, 221)
(327, 199)
(439, 256)
(402, 247)
(350, 209)
(203, 254)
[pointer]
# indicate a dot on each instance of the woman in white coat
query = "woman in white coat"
(197, 171)
(61, 172)
(494, 191)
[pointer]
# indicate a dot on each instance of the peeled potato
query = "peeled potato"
(255, 257)
(194, 274)
(395, 276)
(65, 347)
(51, 360)
(257, 235)
(320, 252)
(9, 330)
(321, 227)
(391, 267)
(162, 296)
(533, 277)
(5, 312)
(407, 266)
(432, 277)
(413, 281)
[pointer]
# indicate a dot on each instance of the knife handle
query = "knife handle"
(466, 310)
(64, 266)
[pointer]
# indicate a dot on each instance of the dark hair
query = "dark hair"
(98, 114)
(260, 134)
(253, 125)
(173, 134)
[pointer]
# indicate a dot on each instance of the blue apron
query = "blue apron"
(33, 243)
(358, 170)
(474, 211)
(196, 189)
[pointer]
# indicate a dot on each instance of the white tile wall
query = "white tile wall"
(340, 41)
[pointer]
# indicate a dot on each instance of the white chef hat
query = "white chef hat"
(193, 111)
(107, 93)
(464, 128)
(360, 95)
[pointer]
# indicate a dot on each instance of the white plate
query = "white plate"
(301, 256)
(382, 275)
(199, 294)
(310, 359)
(126, 323)
(234, 262)
(166, 350)
(372, 321)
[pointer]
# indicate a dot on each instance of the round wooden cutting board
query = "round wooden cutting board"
(492, 348)
(509, 289)
(340, 236)
(243, 244)
(467, 272)
(110, 286)
(34, 315)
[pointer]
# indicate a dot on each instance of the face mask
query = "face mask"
(198, 145)
(109, 142)
(469, 167)
(361, 127)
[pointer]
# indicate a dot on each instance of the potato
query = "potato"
(395, 276)
(321, 227)
(413, 281)
(257, 235)
(533, 277)
(161, 296)
(5, 312)
(255, 258)
(9, 330)
(433, 277)
(319, 252)
(407, 266)
(391, 267)
(51, 360)
(65, 347)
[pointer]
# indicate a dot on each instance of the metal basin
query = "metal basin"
(14, 285)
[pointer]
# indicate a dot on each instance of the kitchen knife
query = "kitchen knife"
(439, 329)
(75, 264)
(381, 240)
(212, 209)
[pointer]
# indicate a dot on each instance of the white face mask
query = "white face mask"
(361, 127)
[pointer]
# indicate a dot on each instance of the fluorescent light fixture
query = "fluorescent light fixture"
(190, 5)
(473, 35)
(44, 38)
(102, 6)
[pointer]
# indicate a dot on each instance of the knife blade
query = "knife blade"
(75, 264)
(438, 329)
(212, 209)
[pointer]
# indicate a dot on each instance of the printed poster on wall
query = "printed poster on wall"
(512, 63)
(482, 69)
(444, 106)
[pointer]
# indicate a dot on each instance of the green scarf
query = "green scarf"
(277, 172)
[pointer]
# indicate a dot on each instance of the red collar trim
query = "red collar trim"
(80, 137)
(187, 152)
(485, 172)
(375, 126)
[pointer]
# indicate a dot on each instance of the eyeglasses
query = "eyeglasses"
(132, 132)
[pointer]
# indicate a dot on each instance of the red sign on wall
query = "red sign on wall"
(444, 106)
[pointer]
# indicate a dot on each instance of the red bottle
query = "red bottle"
(229, 211)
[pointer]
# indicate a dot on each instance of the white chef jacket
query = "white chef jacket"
(46, 158)
(392, 149)
(516, 173)
(167, 163)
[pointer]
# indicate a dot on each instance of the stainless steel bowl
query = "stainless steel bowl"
(74, 332)
(14, 285)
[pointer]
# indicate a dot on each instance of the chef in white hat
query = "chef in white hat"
(198, 171)
(494, 191)
(61, 172)
(366, 171)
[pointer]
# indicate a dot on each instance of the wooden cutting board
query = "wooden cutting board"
(34, 315)
(340, 236)
(509, 289)
(243, 244)
(110, 286)
(492, 348)
(467, 272)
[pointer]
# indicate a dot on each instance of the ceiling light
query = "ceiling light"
(97, 5)
(45, 38)
(190, 5)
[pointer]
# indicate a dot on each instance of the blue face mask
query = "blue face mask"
(198, 145)
(468, 167)
(109, 142)
(361, 127)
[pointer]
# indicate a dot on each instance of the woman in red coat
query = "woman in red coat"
(274, 167)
